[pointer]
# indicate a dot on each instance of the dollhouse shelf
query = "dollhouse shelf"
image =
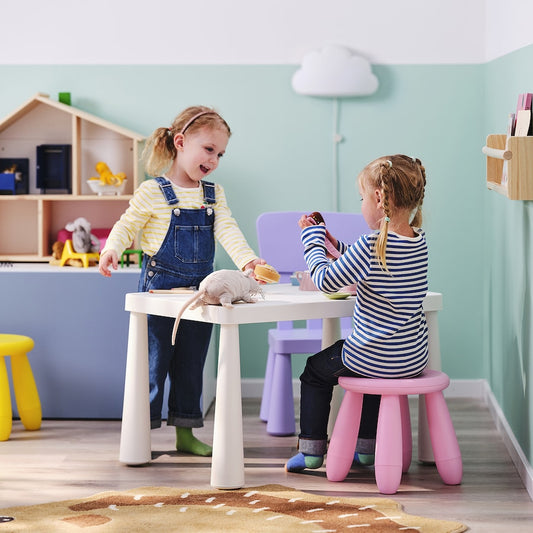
(517, 152)
(29, 223)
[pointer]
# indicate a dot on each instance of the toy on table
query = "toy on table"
(266, 273)
(107, 182)
(224, 287)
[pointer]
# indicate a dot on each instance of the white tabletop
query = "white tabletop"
(279, 303)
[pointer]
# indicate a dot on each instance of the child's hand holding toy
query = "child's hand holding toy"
(330, 242)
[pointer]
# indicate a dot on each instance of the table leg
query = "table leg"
(425, 450)
(331, 333)
(135, 441)
(227, 467)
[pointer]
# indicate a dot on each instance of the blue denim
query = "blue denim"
(184, 259)
(320, 375)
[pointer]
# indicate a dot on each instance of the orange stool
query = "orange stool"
(26, 395)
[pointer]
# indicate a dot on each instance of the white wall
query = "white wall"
(508, 26)
(252, 31)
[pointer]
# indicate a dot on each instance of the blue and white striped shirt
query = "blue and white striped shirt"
(390, 336)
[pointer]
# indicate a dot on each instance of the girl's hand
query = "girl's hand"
(330, 241)
(304, 222)
(252, 264)
(107, 259)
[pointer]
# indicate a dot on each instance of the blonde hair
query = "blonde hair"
(402, 181)
(159, 151)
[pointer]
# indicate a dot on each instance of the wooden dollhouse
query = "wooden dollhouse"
(29, 223)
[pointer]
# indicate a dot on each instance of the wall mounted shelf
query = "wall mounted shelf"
(517, 153)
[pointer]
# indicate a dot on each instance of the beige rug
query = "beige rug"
(270, 508)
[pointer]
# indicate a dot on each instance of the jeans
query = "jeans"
(321, 374)
(183, 363)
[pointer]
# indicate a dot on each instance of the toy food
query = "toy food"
(222, 287)
(316, 218)
(266, 273)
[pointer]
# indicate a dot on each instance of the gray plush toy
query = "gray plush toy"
(83, 241)
(222, 287)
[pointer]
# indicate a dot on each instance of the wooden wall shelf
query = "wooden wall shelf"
(29, 223)
(517, 152)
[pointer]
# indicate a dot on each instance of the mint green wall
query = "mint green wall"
(509, 263)
(281, 157)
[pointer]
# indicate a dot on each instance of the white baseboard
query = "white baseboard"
(459, 388)
(513, 447)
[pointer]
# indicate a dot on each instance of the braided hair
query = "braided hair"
(402, 181)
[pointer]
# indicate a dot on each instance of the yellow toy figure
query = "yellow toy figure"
(106, 177)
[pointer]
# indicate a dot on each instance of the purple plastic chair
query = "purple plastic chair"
(279, 241)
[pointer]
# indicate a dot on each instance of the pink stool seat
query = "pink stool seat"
(393, 439)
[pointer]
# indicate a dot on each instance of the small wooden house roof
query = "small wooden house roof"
(44, 99)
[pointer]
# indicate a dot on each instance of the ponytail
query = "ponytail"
(159, 152)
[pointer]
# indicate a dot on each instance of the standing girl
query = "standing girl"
(389, 337)
(180, 216)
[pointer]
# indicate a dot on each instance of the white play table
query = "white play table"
(281, 302)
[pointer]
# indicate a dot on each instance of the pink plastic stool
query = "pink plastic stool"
(393, 439)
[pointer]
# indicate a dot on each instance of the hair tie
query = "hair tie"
(387, 219)
(389, 162)
(169, 131)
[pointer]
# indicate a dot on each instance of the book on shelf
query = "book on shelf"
(523, 123)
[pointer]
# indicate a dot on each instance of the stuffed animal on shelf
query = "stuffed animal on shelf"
(83, 241)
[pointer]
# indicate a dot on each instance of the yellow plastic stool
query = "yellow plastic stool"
(26, 395)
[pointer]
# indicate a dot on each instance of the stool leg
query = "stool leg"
(407, 437)
(26, 395)
(388, 465)
(267, 387)
(344, 438)
(443, 439)
(6, 416)
(281, 411)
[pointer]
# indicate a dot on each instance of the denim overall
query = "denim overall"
(184, 260)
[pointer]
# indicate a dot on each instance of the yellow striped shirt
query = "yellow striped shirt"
(149, 212)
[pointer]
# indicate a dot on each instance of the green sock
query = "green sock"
(187, 442)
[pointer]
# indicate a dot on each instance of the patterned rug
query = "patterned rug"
(270, 508)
